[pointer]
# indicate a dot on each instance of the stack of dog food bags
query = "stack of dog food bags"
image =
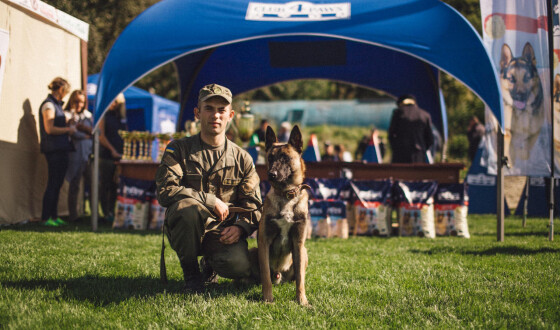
(320, 222)
(451, 208)
(415, 202)
(132, 204)
(327, 208)
(157, 214)
(371, 207)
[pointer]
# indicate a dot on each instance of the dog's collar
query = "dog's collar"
(293, 193)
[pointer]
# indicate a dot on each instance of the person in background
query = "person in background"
(284, 132)
(77, 113)
(410, 131)
(475, 133)
(329, 154)
(261, 131)
(341, 153)
(111, 151)
(55, 145)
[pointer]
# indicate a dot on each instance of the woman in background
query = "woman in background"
(56, 145)
(78, 161)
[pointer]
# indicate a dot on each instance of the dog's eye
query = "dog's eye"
(511, 79)
(527, 78)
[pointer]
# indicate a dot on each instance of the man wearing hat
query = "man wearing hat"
(410, 132)
(200, 179)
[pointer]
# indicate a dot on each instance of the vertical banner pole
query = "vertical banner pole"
(500, 186)
(526, 202)
(95, 182)
(550, 34)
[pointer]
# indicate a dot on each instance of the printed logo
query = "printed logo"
(297, 11)
(448, 195)
(481, 180)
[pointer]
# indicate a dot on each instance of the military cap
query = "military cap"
(212, 90)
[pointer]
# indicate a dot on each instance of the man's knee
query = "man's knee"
(228, 260)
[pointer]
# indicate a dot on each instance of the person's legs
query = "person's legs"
(106, 185)
(185, 228)
(74, 191)
(228, 260)
(57, 163)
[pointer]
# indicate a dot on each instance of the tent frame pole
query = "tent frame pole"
(94, 205)
(500, 186)
(550, 22)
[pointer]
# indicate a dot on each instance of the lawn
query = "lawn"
(72, 277)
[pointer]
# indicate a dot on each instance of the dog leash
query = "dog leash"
(233, 210)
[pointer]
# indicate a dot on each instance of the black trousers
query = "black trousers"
(57, 163)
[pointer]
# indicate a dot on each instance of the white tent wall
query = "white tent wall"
(38, 52)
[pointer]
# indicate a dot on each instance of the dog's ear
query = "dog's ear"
(529, 54)
(505, 57)
(296, 140)
(270, 138)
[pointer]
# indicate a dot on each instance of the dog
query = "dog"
(284, 224)
(523, 102)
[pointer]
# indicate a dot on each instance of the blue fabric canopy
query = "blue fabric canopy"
(145, 111)
(396, 46)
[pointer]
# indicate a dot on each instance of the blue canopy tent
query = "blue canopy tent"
(395, 46)
(145, 111)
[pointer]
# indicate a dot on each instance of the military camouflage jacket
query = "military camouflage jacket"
(233, 179)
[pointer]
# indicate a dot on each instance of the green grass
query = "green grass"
(72, 277)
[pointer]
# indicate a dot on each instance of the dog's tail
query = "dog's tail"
(162, 270)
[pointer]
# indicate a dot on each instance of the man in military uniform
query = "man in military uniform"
(199, 179)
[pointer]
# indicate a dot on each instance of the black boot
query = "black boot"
(208, 273)
(193, 279)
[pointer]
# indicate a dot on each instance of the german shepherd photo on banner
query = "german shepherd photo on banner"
(556, 99)
(524, 110)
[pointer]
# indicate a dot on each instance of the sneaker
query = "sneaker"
(50, 223)
(208, 273)
(60, 222)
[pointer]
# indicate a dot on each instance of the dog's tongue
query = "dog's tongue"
(519, 104)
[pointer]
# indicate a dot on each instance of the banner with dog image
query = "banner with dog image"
(516, 35)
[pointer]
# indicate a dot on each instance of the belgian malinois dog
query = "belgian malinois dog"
(283, 226)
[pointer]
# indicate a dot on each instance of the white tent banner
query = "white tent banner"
(4, 43)
(515, 34)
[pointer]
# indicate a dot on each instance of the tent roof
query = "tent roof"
(194, 33)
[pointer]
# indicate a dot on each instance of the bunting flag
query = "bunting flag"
(515, 33)
(311, 153)
(372, 153)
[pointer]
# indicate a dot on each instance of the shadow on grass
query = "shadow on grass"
(499, 250)
(79, 226)
(110, 290)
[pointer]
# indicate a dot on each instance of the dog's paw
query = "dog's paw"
(303, 301)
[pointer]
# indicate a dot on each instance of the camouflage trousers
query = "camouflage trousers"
(193, 231)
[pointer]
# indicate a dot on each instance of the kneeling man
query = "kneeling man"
(199, 178)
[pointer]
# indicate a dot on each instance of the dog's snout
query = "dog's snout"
(272, 175)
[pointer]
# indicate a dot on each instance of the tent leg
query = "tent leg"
(551, 209)
(95, 182)
(526, 202)
(500, 187)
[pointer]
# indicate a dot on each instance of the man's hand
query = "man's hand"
(231, 235)
(221, 209)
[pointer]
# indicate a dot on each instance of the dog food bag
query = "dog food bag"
(372, 210)
(326, 189)
(132, 204)
(336, 212)
(451, 208)
(157, 214)
(318, 214)
(415, 202)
